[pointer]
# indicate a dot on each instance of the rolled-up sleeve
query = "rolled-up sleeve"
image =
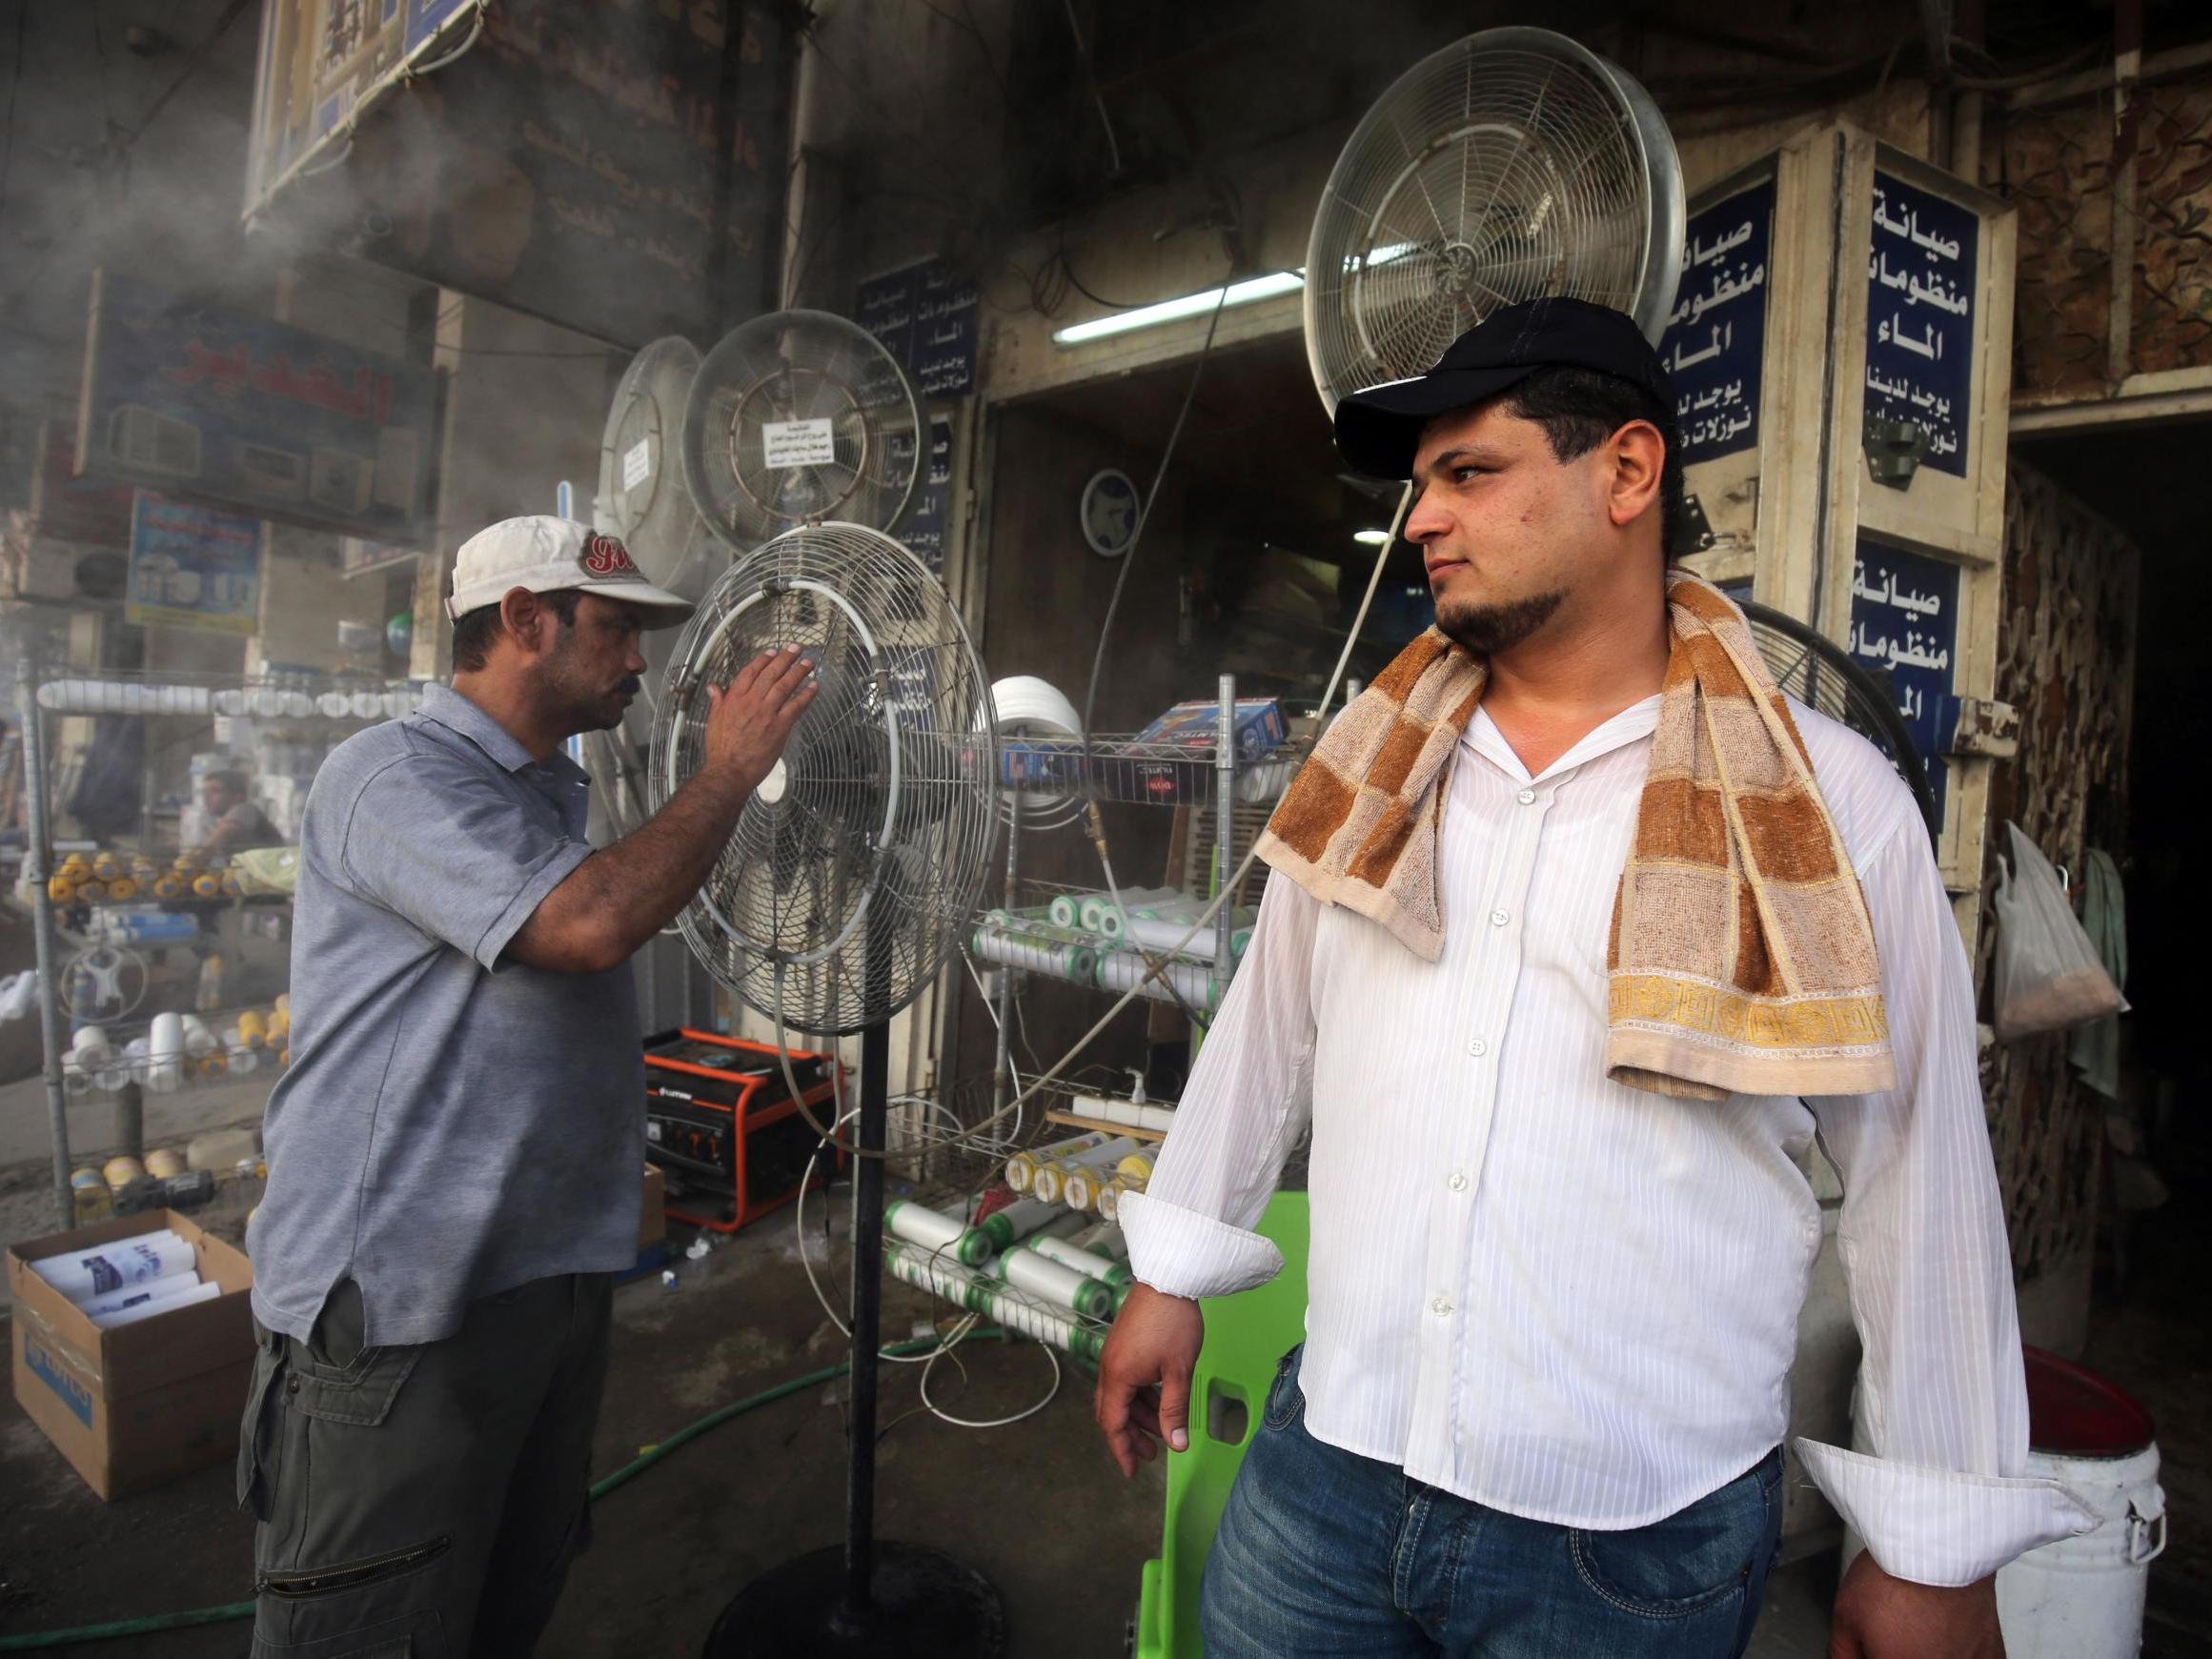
(440, 843)
(1946, 1499)
(1247, 1101)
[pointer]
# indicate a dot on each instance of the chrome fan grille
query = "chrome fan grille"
(853, 872)
(1511, 165)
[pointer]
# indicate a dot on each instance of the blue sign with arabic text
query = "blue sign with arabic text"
(1715, 339)
(1904, 626)
(1920, 316)
(927, 321)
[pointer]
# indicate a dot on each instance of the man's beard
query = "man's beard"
(1485, 630)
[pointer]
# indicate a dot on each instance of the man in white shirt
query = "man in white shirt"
(1550, 1316)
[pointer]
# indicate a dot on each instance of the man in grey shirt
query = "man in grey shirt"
(455, 1155)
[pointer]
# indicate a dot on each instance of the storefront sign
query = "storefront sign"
(925, 320)
(923, 532)
(192, 567)
(1904, 626)
(1715, 341)
(564, 160)
(195, 400)
(1920, 317)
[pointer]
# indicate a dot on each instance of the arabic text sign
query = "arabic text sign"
(1920, 316)
(192, 567)
(927, 321)
(923, 532)
(798, 443)
(195, 400)
(1715, 339)
(1904, 625)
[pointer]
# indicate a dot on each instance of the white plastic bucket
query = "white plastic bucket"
(2079, 1598)
(2082, 1598)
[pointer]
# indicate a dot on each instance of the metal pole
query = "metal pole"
(1225, 768)
(860, 1514)
(1002, 1067)
(37, 859)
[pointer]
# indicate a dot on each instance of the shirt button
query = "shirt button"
(1498, 919)
(1458, 1182)
(1478, 1048)
(1527, 798)
(1441, 1307)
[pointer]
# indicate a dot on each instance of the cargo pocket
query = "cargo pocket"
(360, 1391)
(351, 1609)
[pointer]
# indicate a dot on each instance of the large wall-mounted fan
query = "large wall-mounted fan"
(795, 418)
(1514, 164)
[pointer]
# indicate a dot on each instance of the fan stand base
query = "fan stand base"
(922, 1605)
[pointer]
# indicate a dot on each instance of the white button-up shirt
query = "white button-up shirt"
(1577, 1302)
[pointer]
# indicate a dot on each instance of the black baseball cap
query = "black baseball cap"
(1379, 428)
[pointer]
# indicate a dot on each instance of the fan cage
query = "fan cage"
(1511, 165)
(852, 874)
(800, 366)
(1818, 673)
(654, 517)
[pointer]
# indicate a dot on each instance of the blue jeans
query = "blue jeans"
(1321, 1551)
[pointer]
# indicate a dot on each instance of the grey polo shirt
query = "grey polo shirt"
(454, 1122)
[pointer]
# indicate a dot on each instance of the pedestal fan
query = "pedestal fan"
(841, 893)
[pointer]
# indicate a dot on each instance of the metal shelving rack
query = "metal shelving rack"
(1121, 768)
(44, 691)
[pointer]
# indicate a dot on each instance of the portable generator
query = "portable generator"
(720, 1124)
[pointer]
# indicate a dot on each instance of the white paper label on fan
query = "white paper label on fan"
(798, 443)
(637, 463)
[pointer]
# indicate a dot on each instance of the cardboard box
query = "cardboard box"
(142, 1402)
(653, 1217)
(1258, 725)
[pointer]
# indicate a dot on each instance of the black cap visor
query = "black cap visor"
(1379, 430)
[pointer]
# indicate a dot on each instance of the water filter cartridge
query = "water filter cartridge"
(1017, 1221)
(1109, 1198)
(198, 1039)
(1056, 1282)
(204, 1293)
(934, 1231)
(1022, 1168)
(1088, 1263)
(137, 1295)
(82, 1274)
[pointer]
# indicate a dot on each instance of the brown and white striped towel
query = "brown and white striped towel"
(1741, 955)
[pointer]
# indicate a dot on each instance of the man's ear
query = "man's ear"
(1639, 458)
(524, 617)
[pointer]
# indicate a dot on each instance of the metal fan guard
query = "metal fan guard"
(655, 521)
(1393, 275)
(1818, 673)
(797, 366)
(852, 874)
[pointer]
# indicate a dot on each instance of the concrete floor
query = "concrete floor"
(1035, 1506)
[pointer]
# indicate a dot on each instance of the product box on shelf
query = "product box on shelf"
(1192, 725)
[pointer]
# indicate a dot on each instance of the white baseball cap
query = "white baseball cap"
(543, 553)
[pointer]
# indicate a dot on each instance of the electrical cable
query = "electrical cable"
(1155, 966)
(153, 1623)
(946, 1342)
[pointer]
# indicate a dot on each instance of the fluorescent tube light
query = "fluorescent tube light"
(1144, 316)
(1372, 538)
